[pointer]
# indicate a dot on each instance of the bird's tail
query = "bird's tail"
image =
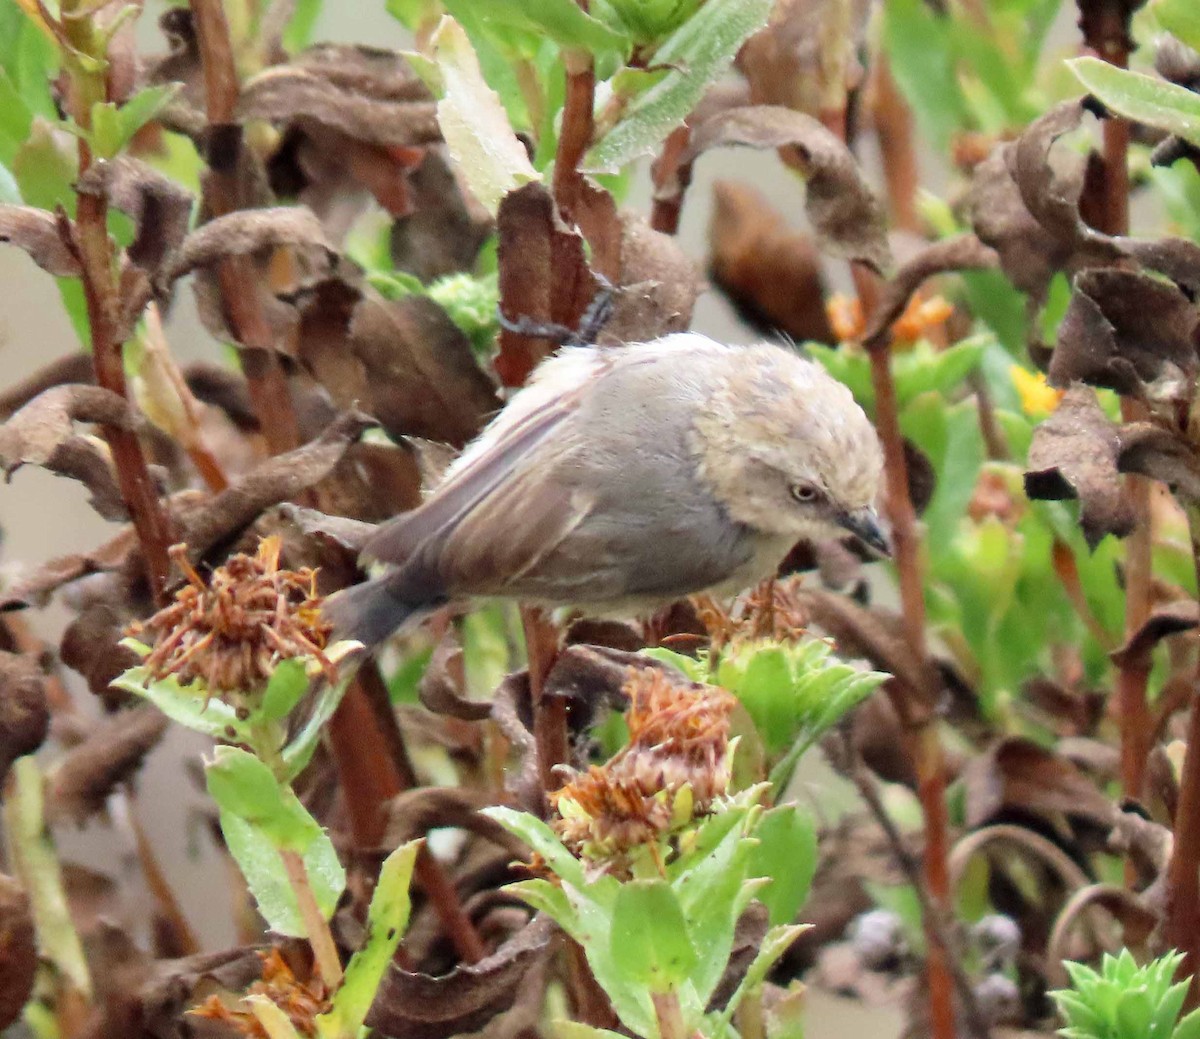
(372, 611)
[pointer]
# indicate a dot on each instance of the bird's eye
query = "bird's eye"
(804, 492)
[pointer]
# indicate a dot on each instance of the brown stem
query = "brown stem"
(664, 213)
(577, 127)
(236, 275)
(549, 712)
(1181, 928)
(1067, 571)
(102, 296)
(370, 777)
(669, 1014)
(894, 128)
(316, 927)
(914, 705)
(935, 918)
(183, 939)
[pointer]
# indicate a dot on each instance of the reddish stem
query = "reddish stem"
(370, 777)
(549, 712)
(577, 128)
(894, 128)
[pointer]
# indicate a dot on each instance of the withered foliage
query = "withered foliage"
(302, 1001)
(232, 631)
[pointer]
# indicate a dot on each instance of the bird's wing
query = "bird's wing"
(500, 504)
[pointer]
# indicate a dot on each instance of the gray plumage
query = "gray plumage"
(623, 478)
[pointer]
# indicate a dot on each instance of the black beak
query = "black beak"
(864, 524)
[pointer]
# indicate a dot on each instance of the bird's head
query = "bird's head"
(788, 451)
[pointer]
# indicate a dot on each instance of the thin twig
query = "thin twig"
(316, 927)
(185, 942)
(932, 914)
(577, 127)
(549, 712)
(894, 128)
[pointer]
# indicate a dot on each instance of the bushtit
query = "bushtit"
(622, 478)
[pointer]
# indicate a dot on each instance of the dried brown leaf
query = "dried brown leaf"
(846, 216)
(1018, 775)
(1165, 619)
(1074, 455)
(966, 252)
(371, 95)
(418, 1006)
(160, 209)
(446, 226)
(544, 277)
(24, 714)
(657, 285)
(1161, 454)
(18, 950)
(79, 785)
(43, 433)
(177, 985)
(275, 480)
(348, 535)
(415, 812)
(771, 273)
(1129, 332)
(74, 367)
(422, 378)
(1176, 258)
(33, 588)
(246, 232)
(91, 643)
(45, 236)
(440, 688)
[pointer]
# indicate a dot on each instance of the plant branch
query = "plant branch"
(87, 87)
(371, 774)
(931, 913)
(316, 927)
(577, 127)
(914, 705)
(549, 712)
(236, 276)
(894, 129)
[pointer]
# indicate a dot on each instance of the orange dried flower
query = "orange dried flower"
(770, 610)
(673, 769)
(301, 1001)
(233, 632)
(846, 318)
(921, 316)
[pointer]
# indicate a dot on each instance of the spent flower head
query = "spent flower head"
(675, 766)
(232, 632)
(771, 610)
(301, 1001)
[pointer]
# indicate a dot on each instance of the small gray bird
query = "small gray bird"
(622, 478)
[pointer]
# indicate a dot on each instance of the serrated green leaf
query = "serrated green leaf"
(786, 853)
(1181, 18)
(1143, 98)
(702, 49)
(1189, 1027)
(185, 705)
(777, 941)
(765, 690)
(649, 936)
(474, 123)
(387, 919)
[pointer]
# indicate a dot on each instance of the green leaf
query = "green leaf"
(113, 127)
(387, 919)
(549, 899)
(1189, 1027)
(918, 47)
(1180, 18)
(562, 21)
(1142, 98)
(298, 753)
(696, 670)
(185, 705)
(702, 49)
(787, 853)
(473, 121)
(765, 690)
(298, 33)
(542, 840)
(649, 935)
(562, 1028)
(10, 194)
(46, 165)
(287, 684)
(777, 941)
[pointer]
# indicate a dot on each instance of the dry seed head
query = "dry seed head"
(232, 632)
(301, 1001)
(770, 610)
(675, 766)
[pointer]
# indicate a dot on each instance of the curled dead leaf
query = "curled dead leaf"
(18, 950)
(81, 782)
(1129, 332)
(1176, 258)
(1074, 455)
(414, 813)
(43, 433)
(966, 252)
(422, 378)
(846, 216)
(246, 232)
(770, 273)
(1018, 775)
(418, 1006)
(441, 684)
(45, 236)
(1161, 454)
(1165, 619)
(24, 713)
